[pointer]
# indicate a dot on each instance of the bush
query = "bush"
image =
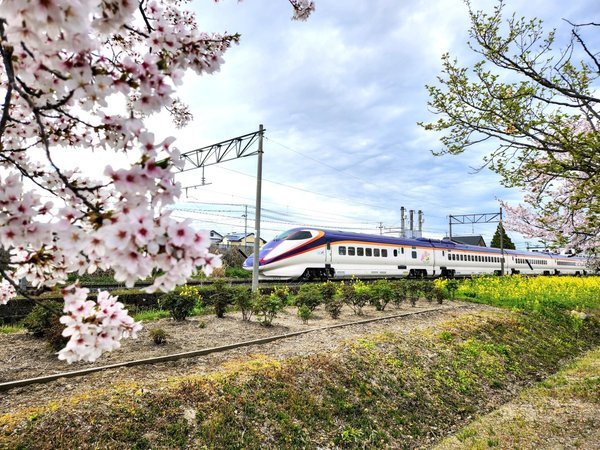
(328, 290)
(242, 299)
(305, 313)
(232, 259)
(40, 317)
(452, 287)
(400, 292)
(439, 294)
(355, 294)
(44, 322)
(283, 293)
(237, 272)
(266, 307)
(222, 297)
(427, 288)
(180, 306)
(309, 295)
(334, 305)
(440, 289)
(382, 292)
(159, 336)
(413, 291)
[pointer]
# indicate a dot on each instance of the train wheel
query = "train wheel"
(307, 275)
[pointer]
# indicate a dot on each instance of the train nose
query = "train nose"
(249, 262)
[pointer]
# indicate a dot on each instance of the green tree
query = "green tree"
(539, 107)
(506, 241)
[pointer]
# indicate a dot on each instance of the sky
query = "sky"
(340, 96)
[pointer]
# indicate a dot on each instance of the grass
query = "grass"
(151, 315)
(559, 412)
(8, 329)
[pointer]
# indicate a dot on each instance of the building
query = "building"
(469, 240)
(215, 237)
(239, 239)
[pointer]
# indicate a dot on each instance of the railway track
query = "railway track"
(245, 282)
(201, 352)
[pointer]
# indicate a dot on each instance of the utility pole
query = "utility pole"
(380, 228)
(256, 260)
(245, 216)
(501, 244)
(235, 148)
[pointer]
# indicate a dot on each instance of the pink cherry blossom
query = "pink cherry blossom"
(66, 64)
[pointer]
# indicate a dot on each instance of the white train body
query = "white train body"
(316, 253)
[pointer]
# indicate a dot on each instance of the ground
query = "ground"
(550, 416)
(23, 356)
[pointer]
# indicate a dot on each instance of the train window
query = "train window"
(360, 251)
(342, 250)
(443, 253)
(462, 257)
(299, 236)
(395, 252)
(351, 251)
(414, 254)
(384, 252)
(368, 252)
(376, 252)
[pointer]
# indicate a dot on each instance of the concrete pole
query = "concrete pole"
(501, 244)
(256, 259)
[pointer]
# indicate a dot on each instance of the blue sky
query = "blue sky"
(340, 96)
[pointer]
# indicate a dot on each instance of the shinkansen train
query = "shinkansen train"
(311, 253)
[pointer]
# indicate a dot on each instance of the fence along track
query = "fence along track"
(206, 351)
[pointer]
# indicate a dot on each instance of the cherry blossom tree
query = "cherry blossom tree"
(537, 109)
(84, 74)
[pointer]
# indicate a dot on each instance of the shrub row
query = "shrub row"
(189, 300)
(332, 296)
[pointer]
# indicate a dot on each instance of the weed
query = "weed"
(159, 336)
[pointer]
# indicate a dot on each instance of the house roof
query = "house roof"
(470, 240)
(237, 236)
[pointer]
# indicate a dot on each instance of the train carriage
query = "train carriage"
(308, 253)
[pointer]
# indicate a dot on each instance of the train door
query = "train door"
(328, 260)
